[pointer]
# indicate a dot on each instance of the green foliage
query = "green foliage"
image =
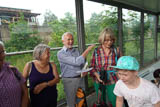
(92, 29)
(66, 24)
(49, 17)
(21, 38)
(110, 19)
(98, 22)
(19, 60)
(132, 29)
(60, 88)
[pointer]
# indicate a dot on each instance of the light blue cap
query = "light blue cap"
(127, 63)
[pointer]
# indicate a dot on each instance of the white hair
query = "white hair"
(66, 33)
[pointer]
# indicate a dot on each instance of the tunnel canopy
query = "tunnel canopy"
(148, 6)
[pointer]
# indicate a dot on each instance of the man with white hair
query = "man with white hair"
(71, 62)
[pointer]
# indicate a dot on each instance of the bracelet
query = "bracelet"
(47, 83)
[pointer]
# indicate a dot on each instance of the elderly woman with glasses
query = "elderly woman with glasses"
(104, 56)
(13, 91)
(43, 77)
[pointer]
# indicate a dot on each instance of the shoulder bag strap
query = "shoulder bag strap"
(15, 73)
(96, 58)
(116, 55)
(29, 68)
(29, 72)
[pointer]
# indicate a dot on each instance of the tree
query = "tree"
(49, 17)
(20, 36)
(66, 24)
(97, 22)
(93, 28)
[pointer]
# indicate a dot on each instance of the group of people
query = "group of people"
(119, 78)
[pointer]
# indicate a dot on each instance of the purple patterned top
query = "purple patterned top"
(10, 87)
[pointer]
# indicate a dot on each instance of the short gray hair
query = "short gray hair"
(38, 51)
(66, 33)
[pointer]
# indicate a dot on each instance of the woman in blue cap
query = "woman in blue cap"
(137, 91)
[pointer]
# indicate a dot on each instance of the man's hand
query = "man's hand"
(85, 53)
(90, 47)
(84, 74)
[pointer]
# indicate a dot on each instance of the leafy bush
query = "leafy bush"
(21, 38)
(60, 26)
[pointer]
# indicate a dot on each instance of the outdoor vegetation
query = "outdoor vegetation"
(23, 38)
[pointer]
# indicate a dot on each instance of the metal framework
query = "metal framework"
(151, 7)
(146, 6)
(118, 3)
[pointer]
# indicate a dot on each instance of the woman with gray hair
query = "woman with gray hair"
(43, 77)
(13, 92)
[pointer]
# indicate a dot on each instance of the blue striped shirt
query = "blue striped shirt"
(70, 62)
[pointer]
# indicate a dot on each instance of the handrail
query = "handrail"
(135, 39)
(54, 49)
(31, 51)
(28, 51)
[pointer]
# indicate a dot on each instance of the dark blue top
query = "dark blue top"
(48, 96)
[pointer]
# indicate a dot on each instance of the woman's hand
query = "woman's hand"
(38, 88)
(98, 78)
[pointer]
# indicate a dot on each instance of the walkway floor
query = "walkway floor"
(147, 73)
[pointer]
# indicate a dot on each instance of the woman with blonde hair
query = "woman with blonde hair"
(104, 56)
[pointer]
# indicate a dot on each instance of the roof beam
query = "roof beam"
(122, 5)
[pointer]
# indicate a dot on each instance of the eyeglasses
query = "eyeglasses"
(107, 40)
(2, 52)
